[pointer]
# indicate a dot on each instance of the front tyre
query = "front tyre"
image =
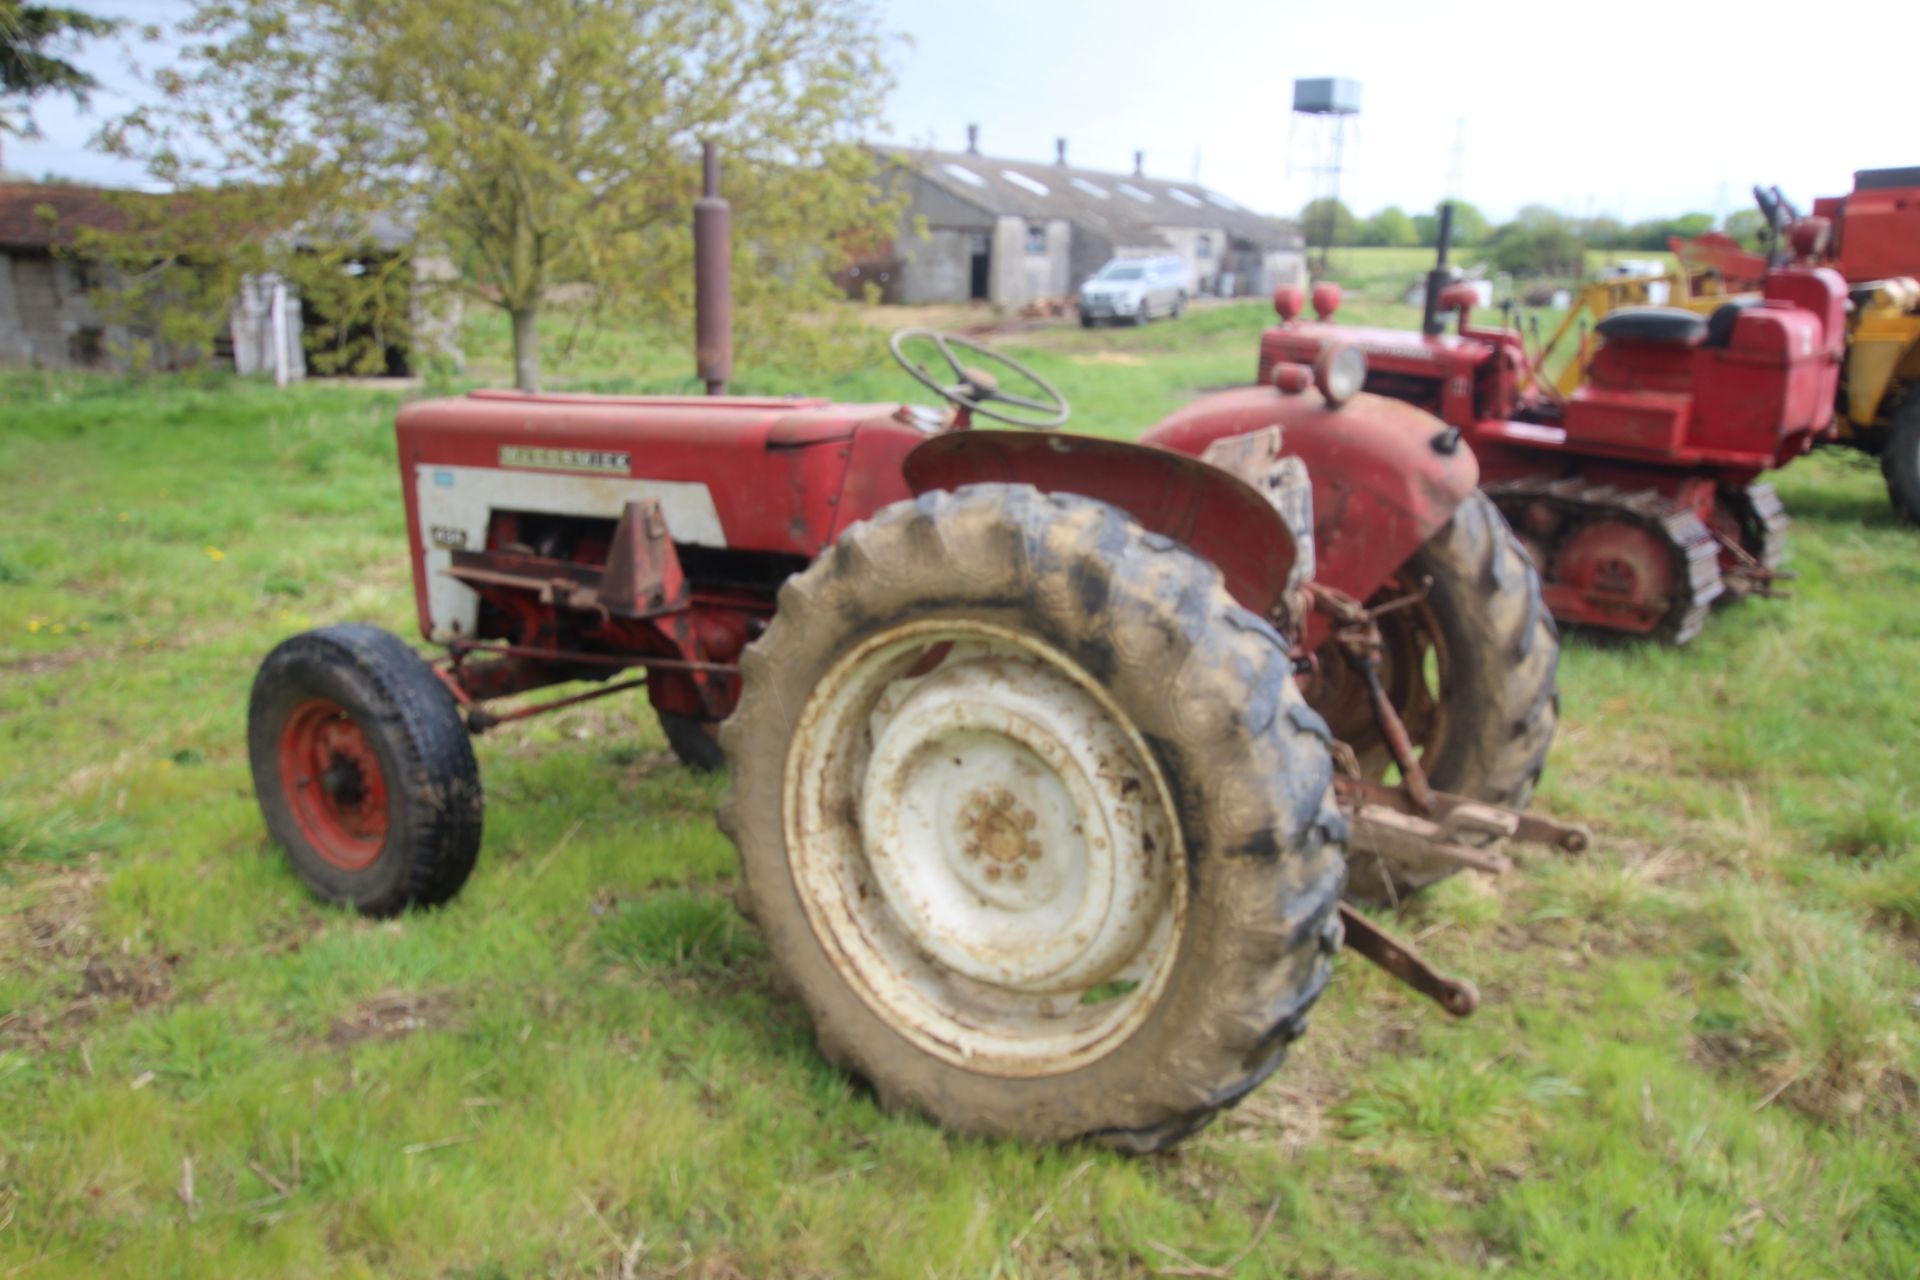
(1900, 460)
(363, 770)
(1034, 819)
(1471, 672)
(694, 743)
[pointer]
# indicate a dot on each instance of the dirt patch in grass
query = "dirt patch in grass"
(141, 980)
(57, 922)
(1126, 358)
(391, 1015)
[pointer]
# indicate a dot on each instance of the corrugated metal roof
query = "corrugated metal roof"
(1123, 207)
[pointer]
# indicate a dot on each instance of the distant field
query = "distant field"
(1697, 1055)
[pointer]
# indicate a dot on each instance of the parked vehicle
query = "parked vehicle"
(1136, 290)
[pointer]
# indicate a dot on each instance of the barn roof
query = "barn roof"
(1124, 207)
(46, 215)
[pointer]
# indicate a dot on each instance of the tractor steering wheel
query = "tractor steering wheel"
(976, 387)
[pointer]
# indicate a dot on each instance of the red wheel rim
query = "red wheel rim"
(334, 784)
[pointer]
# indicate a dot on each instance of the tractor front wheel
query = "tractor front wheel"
(694, 743)
(363, 769)
(1470, 670)
(1900, 460)
(1035, 820)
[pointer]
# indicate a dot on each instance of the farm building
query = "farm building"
(49, 318)
(1008, 232)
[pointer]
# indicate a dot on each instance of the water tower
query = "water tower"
(1322, 107)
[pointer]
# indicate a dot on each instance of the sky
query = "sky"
(1634, 110)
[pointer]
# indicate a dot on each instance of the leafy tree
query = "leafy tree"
(541, 143)
(1326, 221)
(34, 42)
(1749, 227)
(1689, 226)
(1603, 232)
(1389, 228)
(1470, 226)
(1539, 242)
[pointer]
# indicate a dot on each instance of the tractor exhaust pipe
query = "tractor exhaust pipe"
(1439, 277)
(712, 277)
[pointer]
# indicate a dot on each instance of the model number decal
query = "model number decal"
(448, 536)
(601, 461)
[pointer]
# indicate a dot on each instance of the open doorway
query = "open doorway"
(980, 265)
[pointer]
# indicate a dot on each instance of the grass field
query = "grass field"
(1697, 1055)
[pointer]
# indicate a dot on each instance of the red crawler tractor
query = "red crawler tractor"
(1634, 495)
(1031, 803)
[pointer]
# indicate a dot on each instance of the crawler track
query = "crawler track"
(1595, 546)
(1758, 521)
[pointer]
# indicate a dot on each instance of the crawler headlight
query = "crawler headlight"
(1340, 371)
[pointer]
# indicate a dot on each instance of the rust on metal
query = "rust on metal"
(461, 648)
(1456, 995)
(643, 575)
(1358, 637)
(712, 277)
(479, 719)
(1357, 793)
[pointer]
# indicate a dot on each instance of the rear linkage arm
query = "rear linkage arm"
(1412, 821)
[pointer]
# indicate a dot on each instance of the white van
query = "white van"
(1135, 289)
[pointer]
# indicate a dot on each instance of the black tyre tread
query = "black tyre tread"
(1900, 459)
(1210, 688)
(405, 708)
(1504, 703)
(693, 743)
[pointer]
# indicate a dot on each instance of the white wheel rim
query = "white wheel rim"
(983, 845)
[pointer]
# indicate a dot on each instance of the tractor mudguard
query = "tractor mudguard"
(1386, 476)
(1221, 517)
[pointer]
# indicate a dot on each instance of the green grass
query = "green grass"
(1696, 1055)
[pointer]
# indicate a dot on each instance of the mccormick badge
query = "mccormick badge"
(540, 458)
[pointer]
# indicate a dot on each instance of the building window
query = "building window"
(1203, 247)
(1037, 237)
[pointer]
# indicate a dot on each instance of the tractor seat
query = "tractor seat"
(1725, 316)
(1654, 324)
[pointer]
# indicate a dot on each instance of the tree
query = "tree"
(1389, 228)
(34, 40)
(1690, 226)
(1749, 227)
(1538, 242)
(1470, 226)
(1327, 221)
(541, 143)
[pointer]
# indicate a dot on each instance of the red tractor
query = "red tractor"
(1635, 494)
(1032, 774)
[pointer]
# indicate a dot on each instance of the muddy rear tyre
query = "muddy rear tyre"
(1900, 460)
(1492, 677)
(363, 770)
(967, 707)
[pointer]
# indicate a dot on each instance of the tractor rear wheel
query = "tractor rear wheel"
(1470, 670)
(1900, 459)
(1034, 819)
(363, 770)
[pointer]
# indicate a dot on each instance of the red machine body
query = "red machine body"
(1678, 416)
(1874, 233)
(556, 536)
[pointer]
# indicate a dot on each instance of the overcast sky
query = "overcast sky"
(1634, 108)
